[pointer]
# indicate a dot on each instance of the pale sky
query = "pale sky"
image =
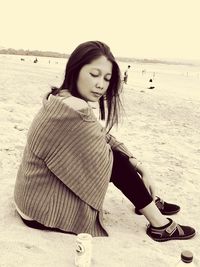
(132, 28)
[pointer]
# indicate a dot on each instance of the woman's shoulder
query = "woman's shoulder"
(72, 101)
(75, 103)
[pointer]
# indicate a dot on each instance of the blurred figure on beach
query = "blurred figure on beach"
(151, 85)
(70, 158)
(143, 71)
(126, 74)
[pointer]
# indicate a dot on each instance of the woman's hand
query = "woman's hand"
(145, 176)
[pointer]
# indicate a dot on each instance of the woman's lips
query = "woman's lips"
(96, 94)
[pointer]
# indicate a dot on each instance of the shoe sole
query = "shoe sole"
(173, 238)
(163, 213)
(170, 213)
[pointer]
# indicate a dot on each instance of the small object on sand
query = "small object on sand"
(83, 250)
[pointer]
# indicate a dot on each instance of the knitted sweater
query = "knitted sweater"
(66, 168)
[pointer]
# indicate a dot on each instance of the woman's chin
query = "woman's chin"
(92, 99)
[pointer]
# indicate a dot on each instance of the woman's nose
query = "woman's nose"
(100, 84)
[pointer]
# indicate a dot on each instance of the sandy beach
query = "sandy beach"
(161, 128)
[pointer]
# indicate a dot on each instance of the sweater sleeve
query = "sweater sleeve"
(116, 145)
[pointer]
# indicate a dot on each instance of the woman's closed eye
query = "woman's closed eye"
(94, 75)
(107, 79)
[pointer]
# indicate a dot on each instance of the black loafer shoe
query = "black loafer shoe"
(164, 207)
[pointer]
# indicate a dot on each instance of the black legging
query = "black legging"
(125, 178)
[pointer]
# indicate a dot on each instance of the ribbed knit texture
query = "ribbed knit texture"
(66, 168)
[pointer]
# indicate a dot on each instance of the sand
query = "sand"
(161, 128)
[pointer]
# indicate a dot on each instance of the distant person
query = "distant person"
(151, 86)
(143, 71)
(126, 74)
(36, 60)
(70, 158)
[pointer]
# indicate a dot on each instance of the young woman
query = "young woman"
(69, 158)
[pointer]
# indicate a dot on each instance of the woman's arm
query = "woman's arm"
(145, 176)
(139, 167)
(119, 146)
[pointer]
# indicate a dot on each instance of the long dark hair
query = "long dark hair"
(84, 54)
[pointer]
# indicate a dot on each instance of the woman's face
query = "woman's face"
(94, 79)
